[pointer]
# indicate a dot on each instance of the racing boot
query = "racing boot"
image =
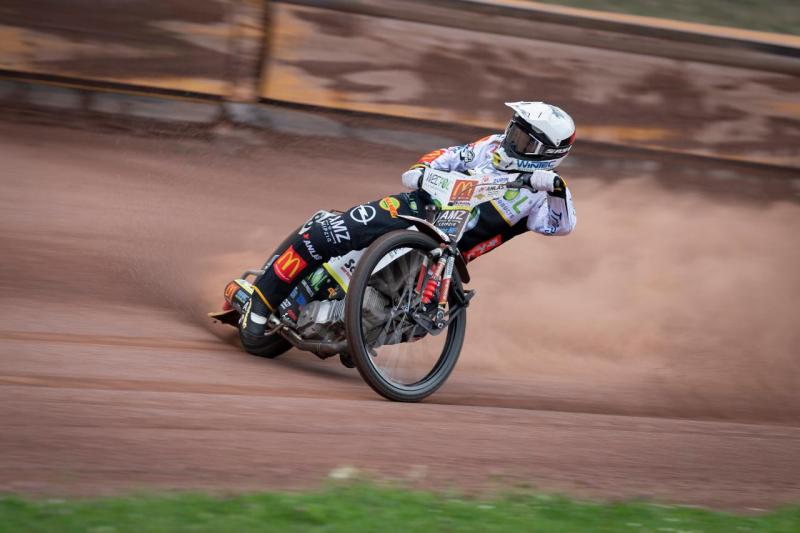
(254, 318)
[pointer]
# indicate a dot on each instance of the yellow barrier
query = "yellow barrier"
(200, 47)
(452, 61)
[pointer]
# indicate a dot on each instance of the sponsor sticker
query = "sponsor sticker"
(462, 191)
(483, 247)
(534, 165)
(316, 279)
(456, 215)
(310, 247)
(350, 267)
(230, 290)
(288, 265)
(390, 204)
(362, 214)
(319, 216)
(341, 268)
(242, 296)
(437, 180)
(451, 220)
(557, 150)
(489, 191)
(514, 207)
(334, 230)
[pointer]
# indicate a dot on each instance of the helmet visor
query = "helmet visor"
(524, 145)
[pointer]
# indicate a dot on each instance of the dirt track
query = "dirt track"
(661, 360)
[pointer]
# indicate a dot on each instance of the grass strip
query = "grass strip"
(779, 16)
(366, 507)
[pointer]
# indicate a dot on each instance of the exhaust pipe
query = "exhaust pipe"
(321, 349)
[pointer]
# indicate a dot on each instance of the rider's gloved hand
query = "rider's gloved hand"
(412, 178)
(547, 180)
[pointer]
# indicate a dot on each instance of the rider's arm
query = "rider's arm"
(556, 214)
(454, 159)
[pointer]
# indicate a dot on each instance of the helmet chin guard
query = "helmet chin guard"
(501, 160)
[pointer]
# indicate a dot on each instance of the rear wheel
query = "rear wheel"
(398, 357)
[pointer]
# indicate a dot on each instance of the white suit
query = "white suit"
(545, 213)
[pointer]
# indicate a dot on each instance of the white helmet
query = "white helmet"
(538, 137)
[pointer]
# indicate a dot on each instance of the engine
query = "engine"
(324, 320)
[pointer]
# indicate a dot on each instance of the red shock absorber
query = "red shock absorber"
(423, 269)
(430, 290)
(433, 282)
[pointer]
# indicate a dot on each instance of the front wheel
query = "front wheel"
(385, 321)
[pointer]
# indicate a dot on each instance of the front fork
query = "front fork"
(440, 277)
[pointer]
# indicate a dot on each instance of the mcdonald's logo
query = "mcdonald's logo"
(288, 265)
(462, 191)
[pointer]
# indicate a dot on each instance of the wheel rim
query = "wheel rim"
(387, 306)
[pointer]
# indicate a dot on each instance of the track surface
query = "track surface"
(651, 354)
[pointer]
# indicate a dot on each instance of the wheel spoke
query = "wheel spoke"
(381, 340)
(395, 359)
(389, 361)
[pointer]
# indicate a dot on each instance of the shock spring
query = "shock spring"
(433, 282)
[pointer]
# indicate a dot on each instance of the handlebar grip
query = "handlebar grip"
(522, 182)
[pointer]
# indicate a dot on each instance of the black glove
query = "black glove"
(559, 187)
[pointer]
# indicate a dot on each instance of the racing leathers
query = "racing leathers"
(327, 234)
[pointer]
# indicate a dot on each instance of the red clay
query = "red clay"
(651, 354)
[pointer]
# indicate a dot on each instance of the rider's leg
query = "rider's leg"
(322, 237)
(488, 230)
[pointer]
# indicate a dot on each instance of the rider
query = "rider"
(536, 140)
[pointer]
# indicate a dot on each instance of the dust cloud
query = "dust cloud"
(677, 291)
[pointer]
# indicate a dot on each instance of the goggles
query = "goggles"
(524, 145)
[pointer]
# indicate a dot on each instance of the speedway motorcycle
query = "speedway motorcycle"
(397, 310)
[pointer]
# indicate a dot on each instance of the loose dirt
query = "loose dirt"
(653, 353)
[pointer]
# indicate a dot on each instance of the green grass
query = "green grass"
(781, 16)
(366, 507)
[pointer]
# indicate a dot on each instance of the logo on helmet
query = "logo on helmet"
(523, 164)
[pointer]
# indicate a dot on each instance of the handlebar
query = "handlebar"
(523, 182)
